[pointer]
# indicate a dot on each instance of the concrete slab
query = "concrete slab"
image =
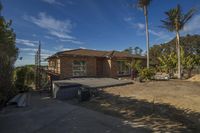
(46, 115)
(93, 82)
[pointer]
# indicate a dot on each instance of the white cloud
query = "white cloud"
(43, 55)
(72, 41)
(61, 35)
(56, 2)
(193, 26)
(61, 48)
(82, 47)
(57, 28)
(28, 49)
(27, 42)
(49, 37)
(161, 36)
(140, 25)
(66, 49)
(128, 19)
(28, 55)
(33, 50)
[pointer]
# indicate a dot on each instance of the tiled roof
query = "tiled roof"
(95, 53)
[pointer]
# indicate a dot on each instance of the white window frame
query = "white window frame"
(82, 68)
(120, 68)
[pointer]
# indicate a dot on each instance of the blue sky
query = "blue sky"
(93, 24)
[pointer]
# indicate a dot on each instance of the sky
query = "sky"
(92, 24)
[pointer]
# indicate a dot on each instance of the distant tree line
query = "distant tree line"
(136, 50)
(164, 57)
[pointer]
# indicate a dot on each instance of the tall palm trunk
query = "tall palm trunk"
(147, 34)
(178, 54)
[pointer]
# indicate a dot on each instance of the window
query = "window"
(54, 65)
(58, 66)
(79, 68)
(123, 69)
(51, 65)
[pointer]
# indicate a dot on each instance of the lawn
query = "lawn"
(168, 106)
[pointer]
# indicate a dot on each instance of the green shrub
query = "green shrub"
(146, 73)
(24, 78)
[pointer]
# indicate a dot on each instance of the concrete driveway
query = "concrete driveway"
(46, 115)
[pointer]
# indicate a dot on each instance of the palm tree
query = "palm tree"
(143, 4)
(175, 22)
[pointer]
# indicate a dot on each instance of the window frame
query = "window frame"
(82, 70)
(121, 66)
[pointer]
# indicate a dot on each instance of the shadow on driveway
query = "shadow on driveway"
(49, 116)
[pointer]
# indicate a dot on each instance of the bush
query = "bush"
(146, 73)
(24, 78)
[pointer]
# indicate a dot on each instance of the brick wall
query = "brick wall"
(67, 62)
(110, 66)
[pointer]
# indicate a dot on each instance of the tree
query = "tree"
(8, 56)
(188, 61)
(189, 43)
(24, 77)
(175, 22)
(137, 51)
(128, 50)
(143, 4)
(168, 62)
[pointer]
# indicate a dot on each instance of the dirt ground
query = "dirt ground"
(181, 94)
(162, 106)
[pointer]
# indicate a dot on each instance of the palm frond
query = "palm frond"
(167, 25)
(176, 20)
(188, 15)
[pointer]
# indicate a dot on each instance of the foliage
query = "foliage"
(142, 3)
(128, 50)
(168, 62)
(8, 56)
(24, 78)
(175, 21)
(146, 73)
(135, 65)
(136, 50)
(189, 43)
(188, 62)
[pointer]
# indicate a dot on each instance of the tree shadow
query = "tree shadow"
(141, 113)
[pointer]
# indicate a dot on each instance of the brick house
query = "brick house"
(90, 63)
